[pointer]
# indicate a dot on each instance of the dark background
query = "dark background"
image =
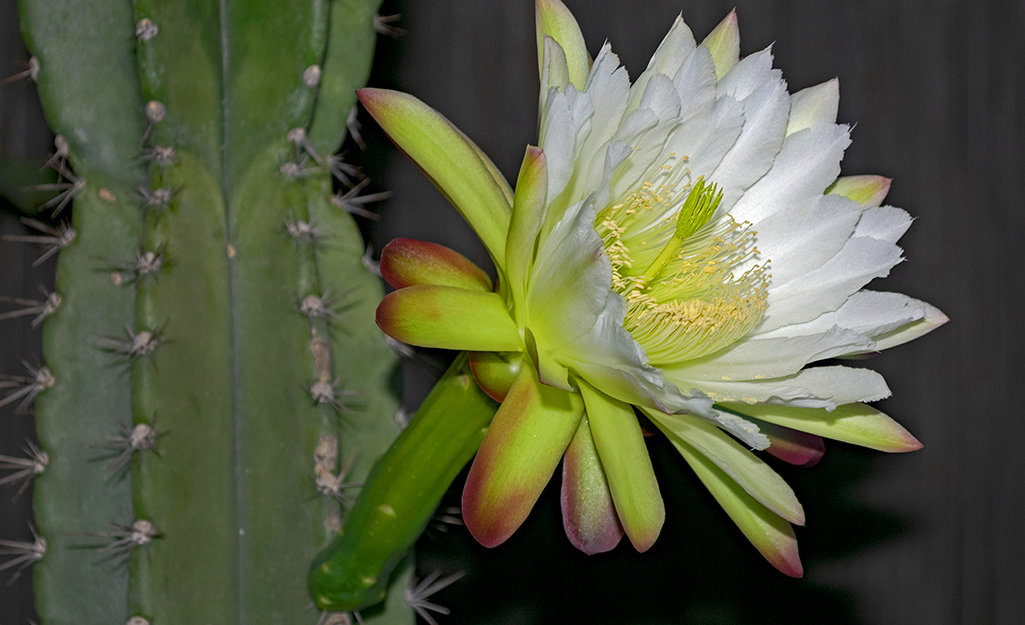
(936, 537)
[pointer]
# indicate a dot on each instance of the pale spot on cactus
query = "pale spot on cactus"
(145, 29)
(24, 469)
(296, 170)
(52, 239)
(368, 581)
(163, 155)
(23, 554)
(106, 195)
(127, 538)
(25, 388)
(324, 392)
(136, 345)
(116, 278)
(332, 486)
(41, 309)
(157, 198)
(311, 76)
(144, 343)
(155, 111)
(231, 251)
(297, 137)
(319, 307)
(140, 437)
(386, 510)
(303, 231)
(148, 263)
(137, 620)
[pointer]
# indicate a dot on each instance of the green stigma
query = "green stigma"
(697, 209)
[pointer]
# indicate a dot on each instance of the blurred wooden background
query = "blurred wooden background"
(937, 93)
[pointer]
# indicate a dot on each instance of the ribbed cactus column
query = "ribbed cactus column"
(215, 343)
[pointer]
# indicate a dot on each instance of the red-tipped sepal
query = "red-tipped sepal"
(520, 452)
(410, 262)
(793, 446)
(449, 318)
(588, 514)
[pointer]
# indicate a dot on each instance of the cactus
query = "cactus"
(212, 382)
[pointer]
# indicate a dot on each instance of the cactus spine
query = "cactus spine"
(214, 342)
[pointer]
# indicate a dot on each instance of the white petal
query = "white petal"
(695, 80)
(817, 387)
(764, 95)
(807, 163)
(801, 238)
(705, 137)
(828, 287)
(554, 71)
(566, 120)
(776, 357)
(814, 105)
(674, 49)
(886, 223)
(871, 313)
(570, 280)
(661, 98)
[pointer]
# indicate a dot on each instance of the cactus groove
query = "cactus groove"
(218, 381)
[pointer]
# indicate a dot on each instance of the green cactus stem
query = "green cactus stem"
(217, 378)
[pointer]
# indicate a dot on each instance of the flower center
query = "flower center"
(676, 263)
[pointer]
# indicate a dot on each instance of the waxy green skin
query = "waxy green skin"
(230, 484)
(401, 493)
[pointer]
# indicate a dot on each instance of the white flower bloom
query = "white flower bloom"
(681, 245)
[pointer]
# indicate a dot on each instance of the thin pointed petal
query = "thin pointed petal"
(410, 262)
(449, 318)
(857, 424)
(932, 319)
(588, 514)
(556, 21)
(723, 44)
(624, 456)
(793, 446)
(865, 190)
(817, 104)
(453, 163)
(772, 536)
(743, 467)
(528, 213)
(521, 450)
